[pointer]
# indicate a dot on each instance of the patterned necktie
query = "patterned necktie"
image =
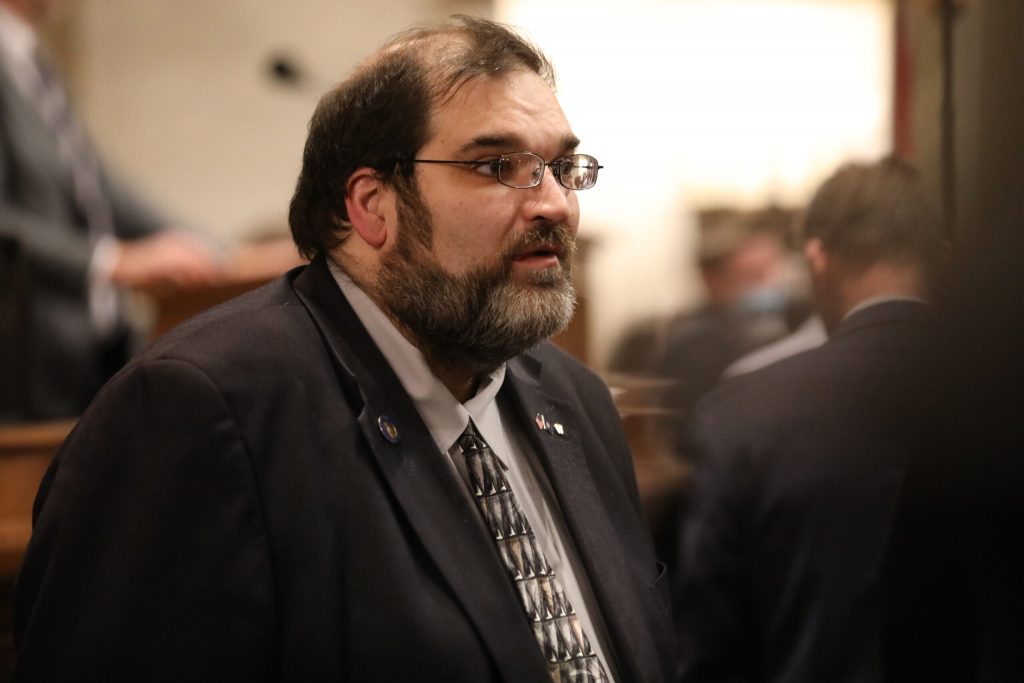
(555, 624)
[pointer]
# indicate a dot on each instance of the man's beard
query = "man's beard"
(479, 319)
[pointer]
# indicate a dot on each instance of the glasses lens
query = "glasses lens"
(521, 170)
(578, 172)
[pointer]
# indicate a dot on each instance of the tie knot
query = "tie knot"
(470, 441)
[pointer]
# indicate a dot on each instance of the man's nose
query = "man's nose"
(550, 201)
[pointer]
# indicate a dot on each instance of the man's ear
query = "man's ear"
(364, 192)
(817, 256)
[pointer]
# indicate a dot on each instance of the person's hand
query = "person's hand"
(165, 260)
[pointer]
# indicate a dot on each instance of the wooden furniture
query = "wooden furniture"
(660, 474)
(25, 453)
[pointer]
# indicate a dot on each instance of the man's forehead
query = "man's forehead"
(509, 112)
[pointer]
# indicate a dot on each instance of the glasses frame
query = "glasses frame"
(556, 166)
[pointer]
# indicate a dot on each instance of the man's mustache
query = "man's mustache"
(557, 235)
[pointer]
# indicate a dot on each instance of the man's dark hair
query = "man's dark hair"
(382, 113)
(869, 213)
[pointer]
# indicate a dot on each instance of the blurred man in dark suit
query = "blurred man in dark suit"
(799, 464)
(81, 237)
(743, 265)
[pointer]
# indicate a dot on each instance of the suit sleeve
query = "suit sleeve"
(134, 216)
(711, 592)
(55, 249)
(149, 558)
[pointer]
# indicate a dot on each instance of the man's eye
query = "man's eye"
(489, 167)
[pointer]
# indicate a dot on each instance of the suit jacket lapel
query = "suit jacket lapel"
(566, 460)
(29, 137)
(422, 481)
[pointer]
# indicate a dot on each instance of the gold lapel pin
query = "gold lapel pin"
(389, 429)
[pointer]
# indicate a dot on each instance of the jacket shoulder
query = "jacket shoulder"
(265, 322)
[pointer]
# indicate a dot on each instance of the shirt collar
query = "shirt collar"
(444, 416)
(883, 299)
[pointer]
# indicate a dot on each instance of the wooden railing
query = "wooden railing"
(25, 453)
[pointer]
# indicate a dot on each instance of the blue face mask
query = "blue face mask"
(763, 299)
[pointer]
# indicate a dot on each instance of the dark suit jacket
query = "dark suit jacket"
(228, 509)
(799, 471)
(698, 347)
(61, 361)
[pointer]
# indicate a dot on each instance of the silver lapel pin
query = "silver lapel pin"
(549, 427)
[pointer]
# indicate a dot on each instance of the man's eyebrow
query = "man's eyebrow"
(505, 142)
(510, 143)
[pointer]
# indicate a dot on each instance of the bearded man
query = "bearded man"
(375, 468)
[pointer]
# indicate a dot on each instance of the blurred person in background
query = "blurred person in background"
(799, 464)
(79, 238)
(809, 334)
(748, 300)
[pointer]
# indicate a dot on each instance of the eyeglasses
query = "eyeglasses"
(523, 170)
